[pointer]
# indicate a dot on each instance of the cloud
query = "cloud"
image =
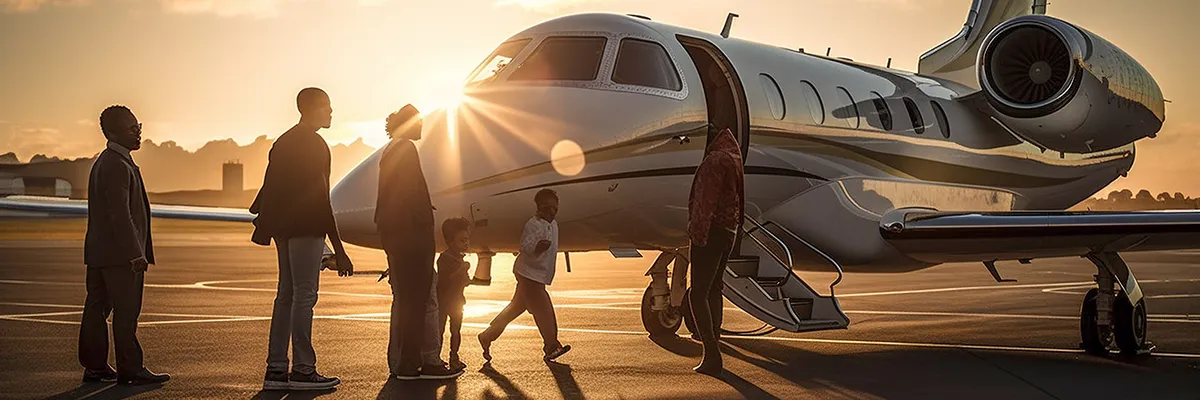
(26, 6)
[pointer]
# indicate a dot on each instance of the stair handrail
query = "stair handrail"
(786, 250)
(814, 249)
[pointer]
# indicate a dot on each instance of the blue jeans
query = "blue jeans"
(299, 279)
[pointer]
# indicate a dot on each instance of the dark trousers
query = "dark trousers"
(707, 269)
(452, 311)
(530, 296)
(118, 290)
(411, 277)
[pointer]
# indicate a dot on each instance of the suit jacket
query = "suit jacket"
(403, 209)
(118, 229)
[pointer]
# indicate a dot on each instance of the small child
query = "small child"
(452, 279)
(534, 270)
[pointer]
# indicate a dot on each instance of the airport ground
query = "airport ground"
(944, 332)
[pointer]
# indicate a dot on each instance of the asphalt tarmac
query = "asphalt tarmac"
(945, 332)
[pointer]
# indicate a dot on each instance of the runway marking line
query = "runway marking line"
(1059, 288)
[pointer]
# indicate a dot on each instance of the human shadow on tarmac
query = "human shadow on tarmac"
(510, 390)
(565, 380)
(398, 389)
(678, 345)
(104, 391)
(890, 373)
(291, 395)
(747, 389)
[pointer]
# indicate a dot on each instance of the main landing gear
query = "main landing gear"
(1114, 311)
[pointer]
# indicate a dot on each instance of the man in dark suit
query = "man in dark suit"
(117, 250)
(404, 218)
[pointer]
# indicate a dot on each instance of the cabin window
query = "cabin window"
(914, 114)
(816, 109)
(774, 95)
(645, 63)
(882, 114)
(848, 112)
(496, 62)
(940, 114)
(563, 58)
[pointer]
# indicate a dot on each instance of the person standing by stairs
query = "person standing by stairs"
(715, 209)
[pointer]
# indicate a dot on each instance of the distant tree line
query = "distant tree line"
(1122, 200)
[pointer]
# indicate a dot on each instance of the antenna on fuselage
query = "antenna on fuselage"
(827, 50)
(728, 25)
(889, 62)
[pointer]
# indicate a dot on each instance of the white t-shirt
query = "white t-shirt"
(538, 268)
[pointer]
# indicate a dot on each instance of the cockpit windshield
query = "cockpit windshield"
(497, 61)
(563, 58)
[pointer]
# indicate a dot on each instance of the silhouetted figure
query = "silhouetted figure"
(715, 210)
(404, 217)
(118, 250)
(534, 270)
(293, 208)
(452, 280)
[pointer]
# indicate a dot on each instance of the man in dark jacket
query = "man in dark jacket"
(715, 209)
(118, 250)
(404, 218)
(293, 208)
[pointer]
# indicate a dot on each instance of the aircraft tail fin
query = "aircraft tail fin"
(955, 58)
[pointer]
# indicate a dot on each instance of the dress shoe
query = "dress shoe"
(143, 377)
(100, 375)
(311, 381)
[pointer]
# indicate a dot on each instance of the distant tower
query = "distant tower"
(231, 177)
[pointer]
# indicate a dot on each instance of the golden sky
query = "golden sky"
(197, 70)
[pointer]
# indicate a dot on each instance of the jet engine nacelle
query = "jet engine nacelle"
(1066, 89)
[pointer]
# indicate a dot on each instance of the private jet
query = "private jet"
(849, 167)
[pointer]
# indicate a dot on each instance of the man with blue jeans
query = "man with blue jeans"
(293, 208)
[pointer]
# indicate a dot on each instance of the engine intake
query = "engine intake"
(1066, 89)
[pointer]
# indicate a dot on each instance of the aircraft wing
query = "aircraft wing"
(939, 237)
(53, 206)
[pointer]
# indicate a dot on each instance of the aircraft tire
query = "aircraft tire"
(659, 323)
(1129, 323)
(1095, 338)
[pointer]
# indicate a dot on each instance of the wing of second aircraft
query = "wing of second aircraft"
(51, 206)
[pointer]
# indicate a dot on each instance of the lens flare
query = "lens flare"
(567, 158)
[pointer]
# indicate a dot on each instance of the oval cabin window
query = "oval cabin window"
(774, 95)
(940, 114)
(883, 115)
(847, 112)
(914, 114)
(816, 109)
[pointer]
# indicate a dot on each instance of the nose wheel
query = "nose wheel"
(658, 323)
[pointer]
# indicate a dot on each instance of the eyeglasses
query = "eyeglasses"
(137, 128)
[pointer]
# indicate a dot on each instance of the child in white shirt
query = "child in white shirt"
(534, 270)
